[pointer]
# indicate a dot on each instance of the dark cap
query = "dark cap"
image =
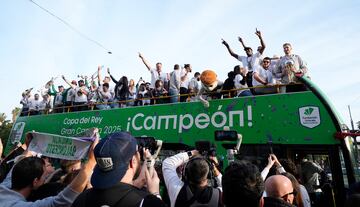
(112, 154)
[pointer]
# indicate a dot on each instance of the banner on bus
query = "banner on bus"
(56, 146)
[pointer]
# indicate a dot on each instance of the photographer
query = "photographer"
(118, 176)
(193, 189)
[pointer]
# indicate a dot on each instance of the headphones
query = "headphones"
(186, 170)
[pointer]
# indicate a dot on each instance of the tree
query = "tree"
(358, 124)
(15, 112)
(5, 128)
(2, 118)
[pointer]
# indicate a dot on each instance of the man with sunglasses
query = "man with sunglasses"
(279, 192)
(262, 76)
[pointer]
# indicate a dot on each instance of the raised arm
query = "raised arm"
(52, 90)
(66, 81)
(229, 49)
(98, 75)
(144, 61)
(258, 33)
(112, 77)
(242, 42)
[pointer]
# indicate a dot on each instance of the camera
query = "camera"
(226, 135)
(205, 148)
(147, 143)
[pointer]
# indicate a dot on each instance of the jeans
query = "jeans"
(174, 93)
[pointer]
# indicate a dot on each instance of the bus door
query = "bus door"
(323, 173)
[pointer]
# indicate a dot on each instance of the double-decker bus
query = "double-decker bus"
(291, 125)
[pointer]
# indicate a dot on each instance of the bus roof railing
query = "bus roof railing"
(92, 106)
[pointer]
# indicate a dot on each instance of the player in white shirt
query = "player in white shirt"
(34, 105)
(184, 84)
(156, 74)
(250, 61)
(262, 76)
(174, 87)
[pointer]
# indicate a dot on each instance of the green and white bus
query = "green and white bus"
(293, 125)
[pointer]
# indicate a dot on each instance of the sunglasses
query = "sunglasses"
(286, 195)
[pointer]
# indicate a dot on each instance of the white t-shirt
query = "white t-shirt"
(250, 62)
(175, 80)
(238, 85)
(185, 83)
(264, 74)
(70, 96)
(58, 99)
(34, 104)
(82, 97)
(155, 76)
(105, 96)
(194, 84)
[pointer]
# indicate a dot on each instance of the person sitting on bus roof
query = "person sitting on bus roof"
(155, 73)
(144, 95)
(262, 76)
(240, 81)
(279, 192)
(158, 92)
(229, 86)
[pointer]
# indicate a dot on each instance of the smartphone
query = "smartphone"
(221, 135)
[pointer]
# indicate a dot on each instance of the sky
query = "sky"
(35, 46)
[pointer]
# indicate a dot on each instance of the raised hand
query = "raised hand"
(257, 32)
(224, 42)
(240, 39)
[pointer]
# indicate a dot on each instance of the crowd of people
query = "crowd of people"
(115, 174)
(256, 74)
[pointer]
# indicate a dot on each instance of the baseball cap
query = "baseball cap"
(112, 155)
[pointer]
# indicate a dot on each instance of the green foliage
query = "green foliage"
(5, 130)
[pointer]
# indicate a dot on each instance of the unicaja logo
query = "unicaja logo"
(309, 116)
(308, 111)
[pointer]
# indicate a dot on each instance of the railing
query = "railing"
(92, 106)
